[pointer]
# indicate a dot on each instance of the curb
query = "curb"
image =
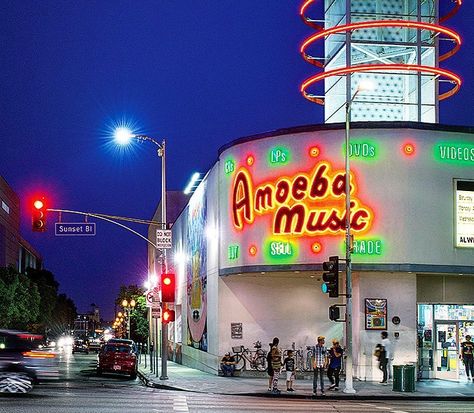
(330, 396)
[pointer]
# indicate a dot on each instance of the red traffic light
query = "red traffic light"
(38, 215)
(168, 315)
(168, 287)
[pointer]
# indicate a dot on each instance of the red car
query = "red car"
(117, 358)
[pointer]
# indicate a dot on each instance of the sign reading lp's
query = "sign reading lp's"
(74, 229)
(303, 204)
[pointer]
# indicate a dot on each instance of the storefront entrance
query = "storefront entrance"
(441, 330)
(446, 357)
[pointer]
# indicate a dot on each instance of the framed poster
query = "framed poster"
(236, 331)
(375, 313)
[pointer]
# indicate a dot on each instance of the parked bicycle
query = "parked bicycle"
(256, 359)
(303, 358)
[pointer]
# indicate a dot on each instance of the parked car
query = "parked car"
(80, 346)
(117, 358)
(125, 341)
(23, 363)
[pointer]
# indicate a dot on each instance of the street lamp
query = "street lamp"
(128, 306)
(349, 388)
(123, 136)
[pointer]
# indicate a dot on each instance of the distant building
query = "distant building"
(14, 250)
(86, 325)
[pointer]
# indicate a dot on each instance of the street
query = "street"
(81, 390)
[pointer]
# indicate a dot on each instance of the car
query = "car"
(94, 345)
(80, 346)
(23, 363)
(125, 341)
(117, 358)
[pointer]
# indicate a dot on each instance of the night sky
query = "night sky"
(198, 73)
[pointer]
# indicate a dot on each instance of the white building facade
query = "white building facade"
(248, 247)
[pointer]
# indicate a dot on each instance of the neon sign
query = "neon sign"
(229, 166)
(233, 252)
(460, 152)
(367, 247)
(304, 204)
(279, 156)
(362, 150)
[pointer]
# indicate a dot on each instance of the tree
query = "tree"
(64, 312)
(138, 317)
(20, 303)
(48, 289)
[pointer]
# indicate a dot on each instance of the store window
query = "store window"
(441, 330)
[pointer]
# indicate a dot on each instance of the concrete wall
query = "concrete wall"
(400, 291)
(286, 305)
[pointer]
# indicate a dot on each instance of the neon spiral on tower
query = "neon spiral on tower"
(388, 41)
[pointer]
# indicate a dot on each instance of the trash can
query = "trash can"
(404, 378)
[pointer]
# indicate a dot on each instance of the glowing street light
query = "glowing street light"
(123, 136)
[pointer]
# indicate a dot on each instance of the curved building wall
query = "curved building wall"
(248, 247)
(403, 189)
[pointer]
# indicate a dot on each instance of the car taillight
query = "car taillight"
(39, 354)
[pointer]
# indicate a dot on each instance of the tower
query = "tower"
(397, 44)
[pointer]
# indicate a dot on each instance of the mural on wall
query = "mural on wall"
(196, 270)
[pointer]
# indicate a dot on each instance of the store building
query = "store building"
(249, 245)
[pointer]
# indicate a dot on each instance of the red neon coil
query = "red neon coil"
(381, 68)
(322, 33)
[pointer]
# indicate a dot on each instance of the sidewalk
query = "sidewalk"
(187, 379)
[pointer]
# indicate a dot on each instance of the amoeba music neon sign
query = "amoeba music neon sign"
(309, 204)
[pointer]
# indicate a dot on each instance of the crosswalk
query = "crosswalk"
(114, 396)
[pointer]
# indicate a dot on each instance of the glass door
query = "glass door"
(447, 350)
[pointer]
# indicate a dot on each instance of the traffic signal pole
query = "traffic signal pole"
(164, 326)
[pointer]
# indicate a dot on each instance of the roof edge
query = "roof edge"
(354, 125)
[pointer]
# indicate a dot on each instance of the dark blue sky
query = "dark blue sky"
(199, 73)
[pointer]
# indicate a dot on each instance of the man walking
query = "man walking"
(385, 357)
(320, 361)
(467, 355)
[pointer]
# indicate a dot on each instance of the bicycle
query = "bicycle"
(257, 359)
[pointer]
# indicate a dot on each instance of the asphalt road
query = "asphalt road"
(82, 391)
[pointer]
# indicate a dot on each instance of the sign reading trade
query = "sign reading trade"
(74, 228)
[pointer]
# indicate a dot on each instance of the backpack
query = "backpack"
(379, 352)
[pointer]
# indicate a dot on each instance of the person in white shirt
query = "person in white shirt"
(385, 356)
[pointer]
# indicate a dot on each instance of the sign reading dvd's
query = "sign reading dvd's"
(464, 205)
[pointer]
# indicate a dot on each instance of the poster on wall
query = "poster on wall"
(464, 213)
(375, 314)
(196, 270)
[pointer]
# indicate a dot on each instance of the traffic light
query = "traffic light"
(168, 315)
(334, 313)
(168, 287)
(331, 277)
(38, 215)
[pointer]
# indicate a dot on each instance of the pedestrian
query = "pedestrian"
(320, 362)
(385, 355)
(289, 364)
(269, 367)
(335, 364)
(228, 365)
(276, 365)
(467, 355)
